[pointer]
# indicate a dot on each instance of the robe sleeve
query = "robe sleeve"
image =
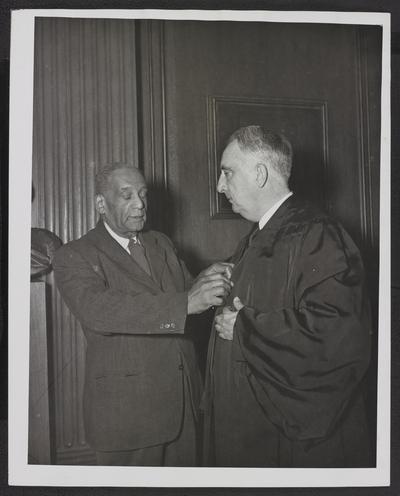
(306, 360)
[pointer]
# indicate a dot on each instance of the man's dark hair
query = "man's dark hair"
(275, 146)
(103, 175)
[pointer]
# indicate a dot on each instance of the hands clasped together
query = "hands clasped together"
(211, 288)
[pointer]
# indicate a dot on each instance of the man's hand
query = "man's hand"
(225, 321)
(210, 288)
(218, 268)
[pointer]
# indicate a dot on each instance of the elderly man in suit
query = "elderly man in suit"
(289, 351)
(132, 296)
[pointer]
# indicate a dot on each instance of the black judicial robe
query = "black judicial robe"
(286, 392)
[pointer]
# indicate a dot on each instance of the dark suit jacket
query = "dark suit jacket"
(137, 350)
(286, 391)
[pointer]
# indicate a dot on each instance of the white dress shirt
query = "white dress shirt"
(270, 212)
(124, 242)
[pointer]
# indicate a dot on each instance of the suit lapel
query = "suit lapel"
(110, 247)
(265, 238)
(154, 256)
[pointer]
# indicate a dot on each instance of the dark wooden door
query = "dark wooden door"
(311, 82)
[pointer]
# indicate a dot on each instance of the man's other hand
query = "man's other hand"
(225, 321)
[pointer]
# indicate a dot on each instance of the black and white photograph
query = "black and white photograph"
(199, 248)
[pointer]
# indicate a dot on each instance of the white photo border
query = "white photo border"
(20, 154)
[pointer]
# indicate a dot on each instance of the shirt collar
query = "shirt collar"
(124, 242)
(269, 213)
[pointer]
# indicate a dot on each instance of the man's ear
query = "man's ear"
(262, 174)
(100, 204)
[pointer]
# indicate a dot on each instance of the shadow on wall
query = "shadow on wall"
(160, 210)
(162, 216)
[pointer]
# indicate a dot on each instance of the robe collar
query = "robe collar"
(265, 238)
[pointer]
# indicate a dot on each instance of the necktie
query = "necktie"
(250, 239)
(253, 234)
(138, 253)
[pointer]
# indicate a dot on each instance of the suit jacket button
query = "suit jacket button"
(180, 367)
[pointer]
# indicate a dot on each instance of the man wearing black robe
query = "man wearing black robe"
(289, 351)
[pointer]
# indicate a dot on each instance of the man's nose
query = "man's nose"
(221, 185)
(138, 203)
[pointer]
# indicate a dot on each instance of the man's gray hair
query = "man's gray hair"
(103, 175)
(276, 147)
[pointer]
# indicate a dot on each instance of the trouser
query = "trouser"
(180, 452)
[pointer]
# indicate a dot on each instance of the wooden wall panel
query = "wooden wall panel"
(153, 123)
(85, 114)
(39, 447)
(335, 68)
